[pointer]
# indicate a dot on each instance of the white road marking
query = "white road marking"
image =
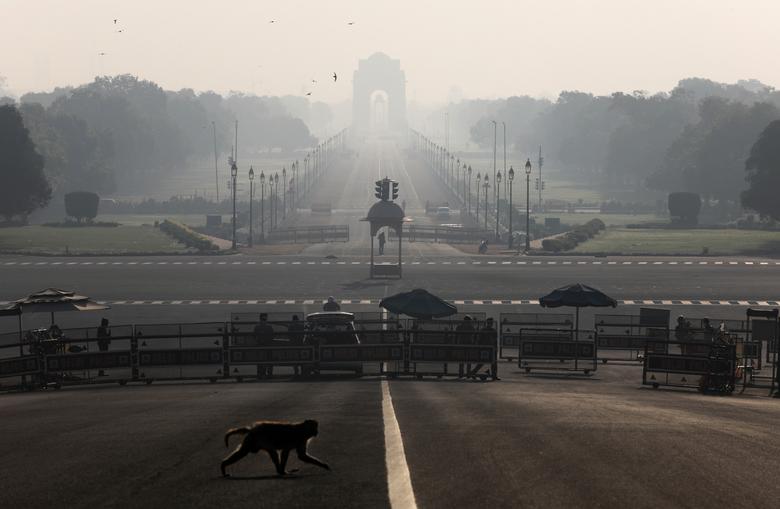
(399, 481)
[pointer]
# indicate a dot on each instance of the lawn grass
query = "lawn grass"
(149, 219)
(87, 240)
(682, 242)
(609, 219)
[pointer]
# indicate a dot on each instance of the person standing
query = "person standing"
(264, 336)
(296, 332)
(331, 305)
(382, 241)
(103, 339)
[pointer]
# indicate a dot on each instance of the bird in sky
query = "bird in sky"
(308, 93)
(272, 21)
(351, 23)
(314, 81)
(102, 54)
(120, 31)
(335, 77)
(115, 20)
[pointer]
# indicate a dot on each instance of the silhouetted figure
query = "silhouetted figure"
(382, 241)
(103, 339)
(296, 329)
(487, 337)
(264, 336)
(331, 305)
(464, 335)
(335, 77)
(483, 246)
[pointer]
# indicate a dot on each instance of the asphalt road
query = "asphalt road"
(525, 441)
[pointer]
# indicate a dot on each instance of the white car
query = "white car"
(443, 212)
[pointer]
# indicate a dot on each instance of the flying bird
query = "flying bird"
(309, 93)
(335, 77)
(115, 20)
(314, 81)
(272, 21)
(120, 31)
(102, 54)
(351, 23)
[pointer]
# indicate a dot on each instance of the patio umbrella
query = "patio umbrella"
(418, 303)
(52, 300)
(577, 296)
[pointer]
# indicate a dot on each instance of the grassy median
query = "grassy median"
(87, 240)
(682, 242)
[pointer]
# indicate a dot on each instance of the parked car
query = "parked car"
(443, 212)
(332, 328)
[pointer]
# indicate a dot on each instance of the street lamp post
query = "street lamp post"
(479, 180)
(498, 210)
(233, 174)
(284, 194)
(262, 206)
(463, 178)
(251, 199)
(486, 185)
(468, 206)
(511, 177)
(527, 205)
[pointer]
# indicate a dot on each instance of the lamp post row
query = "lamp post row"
(318, 159)
(438, 158)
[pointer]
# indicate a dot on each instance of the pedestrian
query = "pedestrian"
(486, 337)
(103, 339)
(296, 329)
(382, 241)
(464, 335)
(331, 305)
(264, 336)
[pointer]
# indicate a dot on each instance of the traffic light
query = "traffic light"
(395, 190)
(378, 189)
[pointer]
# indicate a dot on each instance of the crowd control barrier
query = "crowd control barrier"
(511, 323)
(627, 334)
(687, 364)
(557, 350)
(371, 345)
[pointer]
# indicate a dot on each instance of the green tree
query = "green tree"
(763, 173)
(23, 186)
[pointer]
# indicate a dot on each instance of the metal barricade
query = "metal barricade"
(181, 351)
(557, 350)
(626, 333)
(431, 351)
(511, 323)
(688, 364)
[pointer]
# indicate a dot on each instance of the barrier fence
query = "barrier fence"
(557, 350)
(309, 234)
(512, 323)
(687, 364)
(371, 344)
(446, 234)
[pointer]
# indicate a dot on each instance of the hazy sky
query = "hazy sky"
(486, 48)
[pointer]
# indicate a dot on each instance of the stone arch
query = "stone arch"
(379, 73)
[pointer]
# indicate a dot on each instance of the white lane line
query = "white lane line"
(399, 481)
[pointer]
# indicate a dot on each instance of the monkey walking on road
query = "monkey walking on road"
(272, 437)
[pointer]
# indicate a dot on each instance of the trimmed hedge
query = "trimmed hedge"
(186, 236)
(570, 239)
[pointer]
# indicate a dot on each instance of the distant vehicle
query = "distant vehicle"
(332, 328)
(443, 212)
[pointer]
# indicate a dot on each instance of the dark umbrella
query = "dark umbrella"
(52, 300)
(577, 296)
(418, 303)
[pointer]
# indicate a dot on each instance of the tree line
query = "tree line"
(122, 128)
(697, 137)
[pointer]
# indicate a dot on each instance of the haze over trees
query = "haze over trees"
(23, 186)
(121, 129)
(763, 173)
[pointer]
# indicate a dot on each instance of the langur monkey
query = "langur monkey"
(271, 437)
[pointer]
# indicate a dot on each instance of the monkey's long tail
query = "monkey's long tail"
(235, 431)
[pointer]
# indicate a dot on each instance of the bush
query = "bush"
(74, 224)
(186, 236)
(570, 239)
(685, 207)
(82, 205)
